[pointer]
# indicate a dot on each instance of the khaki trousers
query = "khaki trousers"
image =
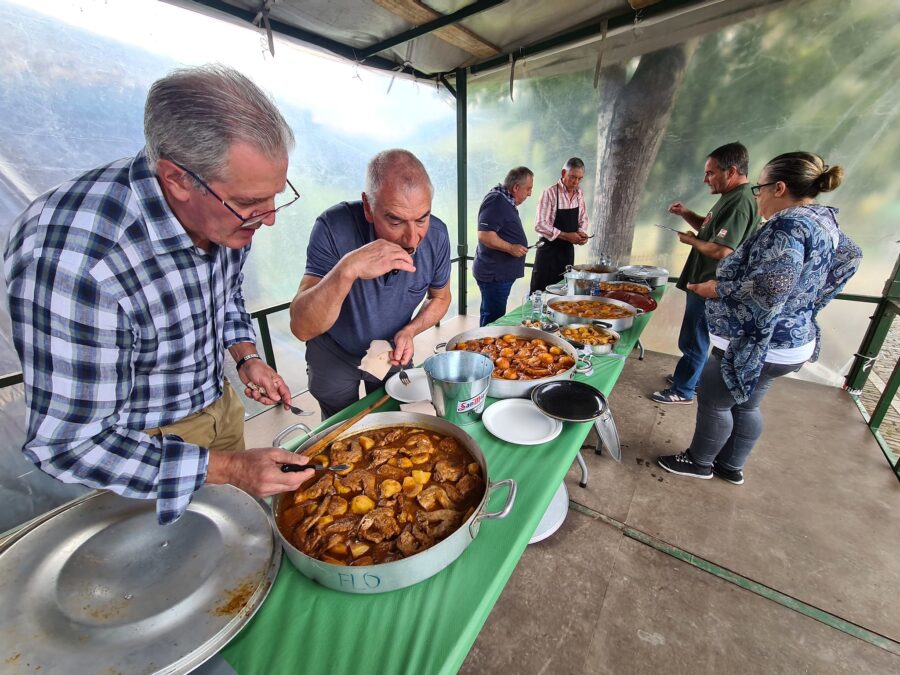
(219, 426)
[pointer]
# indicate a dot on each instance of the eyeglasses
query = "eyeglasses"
(253, 218)
(754, 189)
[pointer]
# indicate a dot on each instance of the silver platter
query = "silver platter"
(101, 587)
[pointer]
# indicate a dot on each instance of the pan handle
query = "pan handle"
(602, 324)
(502, 513)
(289, 431)
(440, 346)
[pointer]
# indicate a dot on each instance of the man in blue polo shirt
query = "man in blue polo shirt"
(368, 266)
(502, 245)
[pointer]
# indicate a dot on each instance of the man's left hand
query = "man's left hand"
(263, 383)
(403, 347)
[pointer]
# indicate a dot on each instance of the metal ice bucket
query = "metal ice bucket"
(459, 382)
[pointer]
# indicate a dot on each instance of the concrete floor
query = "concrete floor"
(816, 519)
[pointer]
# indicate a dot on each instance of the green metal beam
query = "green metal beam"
(429, 27)
(462, 168)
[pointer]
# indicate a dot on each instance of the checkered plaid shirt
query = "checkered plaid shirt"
(121, 324)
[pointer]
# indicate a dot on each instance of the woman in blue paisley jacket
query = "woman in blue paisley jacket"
(763, 309)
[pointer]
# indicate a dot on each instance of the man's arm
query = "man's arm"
(496, 242)
(318, 301)
(708, 248)
(434, 309)
(546, 212)
(693, 219)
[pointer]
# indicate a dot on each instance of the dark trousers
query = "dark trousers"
(693, 341)
(494, 295)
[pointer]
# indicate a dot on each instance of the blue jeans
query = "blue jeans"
(726, 432)
(693, 341)
(494, 295)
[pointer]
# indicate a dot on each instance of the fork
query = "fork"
(404, 378)
(294, 409)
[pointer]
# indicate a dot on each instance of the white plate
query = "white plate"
(518, 420)
(554, 516)
(416, 390)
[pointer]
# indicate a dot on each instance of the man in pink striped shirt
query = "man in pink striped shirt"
(562, 223)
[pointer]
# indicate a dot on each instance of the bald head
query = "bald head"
(398, 170)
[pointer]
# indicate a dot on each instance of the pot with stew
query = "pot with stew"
(523, 357)
(410, 502)
(605, 312)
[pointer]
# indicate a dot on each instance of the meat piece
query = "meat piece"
(337, 507)
(468, 484)
(432, 496)
(452, 492)
(449, 444)
(342, 525)
(307, 524)
(407, 543)
(323, 486)
(418, 444)
(393, 472)
(378, 525)
(424, 539)
(439, 524)
(448, 472)
(382, 455)
(363, 480)
(393, 436)
(344, 453)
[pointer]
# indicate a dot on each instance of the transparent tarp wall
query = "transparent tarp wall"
(817, 76)
(73, 78)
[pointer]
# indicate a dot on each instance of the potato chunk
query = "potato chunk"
(421, 477)
(366, 442)
(389, 488)
(358, 548)
(361, 505)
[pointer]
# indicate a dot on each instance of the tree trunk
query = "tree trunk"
(631, 120)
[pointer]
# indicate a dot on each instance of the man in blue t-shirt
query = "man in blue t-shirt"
(368, 266)
(502, 245)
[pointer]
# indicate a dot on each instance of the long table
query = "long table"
(429, 627)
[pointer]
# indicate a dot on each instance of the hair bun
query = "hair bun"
(830, 178)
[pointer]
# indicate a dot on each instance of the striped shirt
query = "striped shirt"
(121, 324)
(546, 212)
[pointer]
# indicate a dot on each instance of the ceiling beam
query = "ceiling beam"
(590, 30)
(315, 39)
(428, 20)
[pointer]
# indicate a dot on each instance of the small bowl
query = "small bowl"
(639, 300)
(546, 326)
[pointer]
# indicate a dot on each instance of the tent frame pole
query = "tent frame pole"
(462, 166)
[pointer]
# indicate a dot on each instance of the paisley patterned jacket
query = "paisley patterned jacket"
(774, 285)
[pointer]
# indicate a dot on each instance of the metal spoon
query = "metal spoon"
(294, 409)
(289, 468)
(538, 244)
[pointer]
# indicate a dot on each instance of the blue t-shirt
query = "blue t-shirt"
(375, 309)
(498, 215)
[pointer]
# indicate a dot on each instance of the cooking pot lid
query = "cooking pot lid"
(569, 400)
(101, 583)
(644, 271)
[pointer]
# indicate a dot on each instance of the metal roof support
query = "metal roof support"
(462, 167)
(429, 27)
(312, 38)
(623, 20)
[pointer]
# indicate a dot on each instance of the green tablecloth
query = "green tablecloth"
(429, 627)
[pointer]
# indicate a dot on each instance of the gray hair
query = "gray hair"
(573, 163)
(517, 176)
(731, 154)
(399, 166)
(194, 115)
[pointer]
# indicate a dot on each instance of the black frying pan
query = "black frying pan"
(574, 401)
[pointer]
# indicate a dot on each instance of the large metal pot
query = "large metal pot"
(604, 272)
(563, 319)
(517, 388)
(408, 571)
(653, 276)
(579, 281)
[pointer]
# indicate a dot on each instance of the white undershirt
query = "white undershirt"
(788, 356)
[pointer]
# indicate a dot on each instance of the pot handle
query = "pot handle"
(438, 347)
(584, 365)
(288, 431)
(510, 498)
(602, 324)
(639, 311)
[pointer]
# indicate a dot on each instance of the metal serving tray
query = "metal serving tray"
(99, 586)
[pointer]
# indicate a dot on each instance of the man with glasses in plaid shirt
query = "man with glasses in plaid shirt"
(125, 290)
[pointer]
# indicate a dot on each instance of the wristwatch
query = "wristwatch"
(247, 357)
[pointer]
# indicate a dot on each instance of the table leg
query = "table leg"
(584, 470)
(640, 350)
